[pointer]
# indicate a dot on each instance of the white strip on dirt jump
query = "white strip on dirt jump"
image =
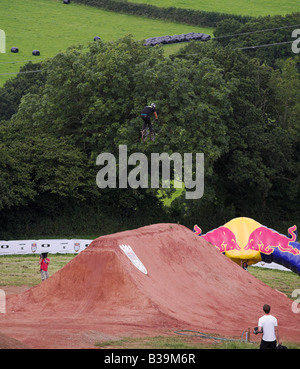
(133, 258)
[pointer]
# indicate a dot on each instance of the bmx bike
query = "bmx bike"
(145, 133)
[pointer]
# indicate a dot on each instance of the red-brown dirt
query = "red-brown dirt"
(100, 295)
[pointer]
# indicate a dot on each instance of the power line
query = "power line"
(253, 46)
(258, 31)
(266, 45)
(213, 38)
(19, 61)
(245, 48)
(238, 48)
(28, 71)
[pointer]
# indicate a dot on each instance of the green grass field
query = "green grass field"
(242, 7)
(23, 270)
(180, 343)
(51, 26)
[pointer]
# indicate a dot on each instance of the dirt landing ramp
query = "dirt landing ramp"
(188, 285)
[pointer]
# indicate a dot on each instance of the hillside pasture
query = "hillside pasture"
(51, 27)
(241, 7)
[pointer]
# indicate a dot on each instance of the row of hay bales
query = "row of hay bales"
(152, 41)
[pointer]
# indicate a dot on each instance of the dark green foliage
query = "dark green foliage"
(258, 174)
(13, 90)
(260, 31)
(241, 113)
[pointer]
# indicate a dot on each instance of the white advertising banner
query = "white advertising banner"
(14, 247)
(73, 246)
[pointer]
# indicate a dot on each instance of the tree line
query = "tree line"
(240, 109)
(173, 14)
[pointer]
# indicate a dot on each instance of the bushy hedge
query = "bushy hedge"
(180, 15)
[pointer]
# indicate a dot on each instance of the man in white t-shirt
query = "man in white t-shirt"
(267, 325)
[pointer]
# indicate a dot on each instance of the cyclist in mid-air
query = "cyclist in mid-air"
(145, 114)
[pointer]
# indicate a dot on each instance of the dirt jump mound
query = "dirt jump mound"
(158, 278)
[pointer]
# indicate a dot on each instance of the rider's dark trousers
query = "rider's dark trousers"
(147, 121)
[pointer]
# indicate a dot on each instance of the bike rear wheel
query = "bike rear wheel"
(152, 135)
(145, 133)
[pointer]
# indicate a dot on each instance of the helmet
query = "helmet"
(153, 105)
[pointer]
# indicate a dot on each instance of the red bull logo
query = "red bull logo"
(222, 238)
(245, 239)
(265, 240)
(197, 230)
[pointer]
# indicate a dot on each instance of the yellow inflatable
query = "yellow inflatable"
(247, 242)
(242, 229)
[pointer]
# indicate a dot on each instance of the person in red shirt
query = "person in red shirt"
(44, 262)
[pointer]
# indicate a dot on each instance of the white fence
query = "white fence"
(72, 246)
